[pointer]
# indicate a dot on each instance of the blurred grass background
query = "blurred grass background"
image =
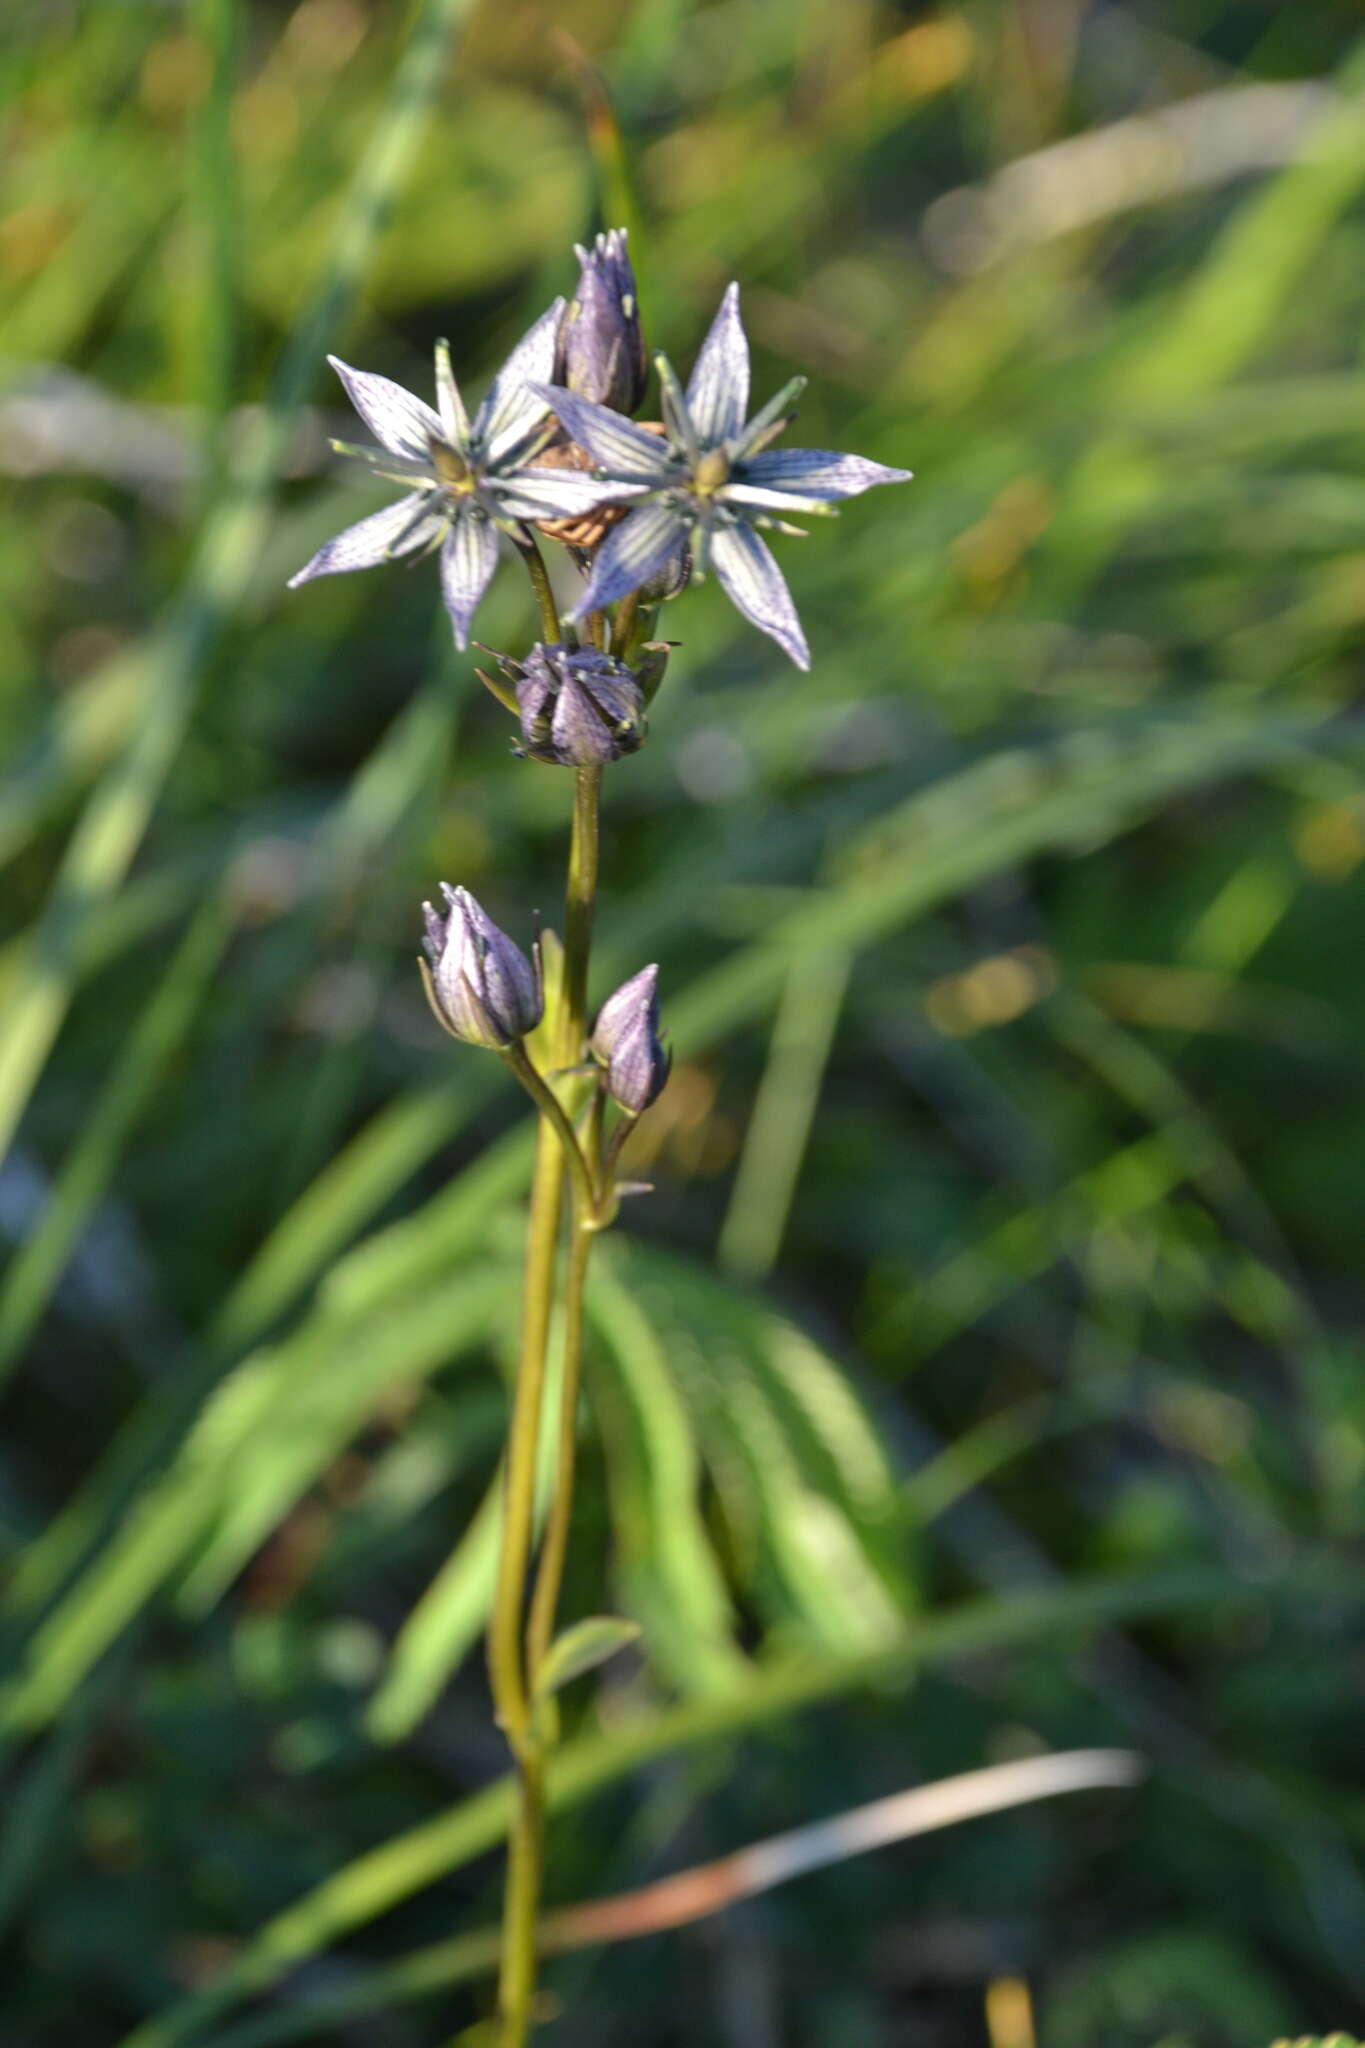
(995, 1321)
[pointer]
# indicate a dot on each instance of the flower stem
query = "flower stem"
(540, 583)
(511, 1669)
(550, 1574)
(525, 1846)
(505, 1667)
(580, 902)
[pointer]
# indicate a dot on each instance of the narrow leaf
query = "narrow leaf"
(583, 1647)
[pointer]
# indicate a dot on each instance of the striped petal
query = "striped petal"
(817, 473)
(754, 584)
(468, 559)
(615, 443)
(394, 416)
(643, 544)
(397, 530)
(511, 410)
(718, 389)
(556, 493)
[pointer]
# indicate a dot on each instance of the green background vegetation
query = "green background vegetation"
(984, 1374)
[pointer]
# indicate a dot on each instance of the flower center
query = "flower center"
(712, 471)
(450, 469)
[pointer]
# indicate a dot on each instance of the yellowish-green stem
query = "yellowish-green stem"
(550, 1573)
(512, 1661)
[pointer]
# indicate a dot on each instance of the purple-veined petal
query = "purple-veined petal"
(468, 559)
(755, 585)
(397, 530)
(511, 408)
(556, 493)
(632, 552)
(718, 389)
(394, 416)
(817, 473)
(615, 443)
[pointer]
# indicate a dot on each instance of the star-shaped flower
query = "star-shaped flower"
(710, 481)
(466, 478)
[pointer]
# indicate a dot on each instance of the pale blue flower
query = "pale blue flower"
(711, 481)
(466, 478)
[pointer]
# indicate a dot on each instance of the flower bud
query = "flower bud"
(481, 986)
(600, 348)
(626, 1041)
(579, 708)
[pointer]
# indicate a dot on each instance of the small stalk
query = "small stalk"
(540, 583)
(580, 903)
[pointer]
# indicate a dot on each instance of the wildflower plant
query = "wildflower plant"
(639, 508)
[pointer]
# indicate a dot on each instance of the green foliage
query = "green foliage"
(998, 1376)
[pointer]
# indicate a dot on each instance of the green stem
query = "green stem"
(550, 1575)
(540, 583)
(506, 1672)
(579, 905)
(553, 1110)
(556, 1147)
(525, 1853)
(623, 628)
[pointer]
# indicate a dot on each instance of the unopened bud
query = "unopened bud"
(482, 986)
(600, 348)
(670, 581)
(626, 1041)
(578, 707)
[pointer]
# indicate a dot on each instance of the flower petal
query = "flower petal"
(744, 494)
(511, 409)
(637, 549)
(454, 418)
(468, 559)
(397, 530)
(753, 582)
(394, 416)
(679, 424)
(615, 443)
(818, 473)
(556, 493)
(718, 389)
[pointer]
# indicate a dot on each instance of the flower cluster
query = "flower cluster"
(640, 506)
(552, 447)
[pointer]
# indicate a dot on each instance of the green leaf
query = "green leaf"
(583, 1647)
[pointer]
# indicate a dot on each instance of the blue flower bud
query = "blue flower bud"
(579, 708)
(626, 1041)
(482, 986)
(600, 348)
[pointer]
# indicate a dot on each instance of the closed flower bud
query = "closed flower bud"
(578, 708)
(626, 1041)
(482, 986)
(600, 348)
(670, 581)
